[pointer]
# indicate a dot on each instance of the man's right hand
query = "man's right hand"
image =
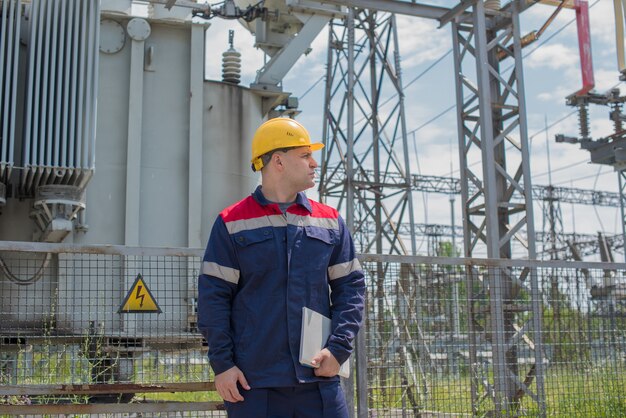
(226, 384)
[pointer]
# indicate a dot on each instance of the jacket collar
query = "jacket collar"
(301, 199)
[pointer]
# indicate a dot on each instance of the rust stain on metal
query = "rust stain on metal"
(110, 408)
(108, 388)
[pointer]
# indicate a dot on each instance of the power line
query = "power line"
(595, 208)
(530, 138)
(583, 177)
(312, 87)
(565, 167)
(420, 75)
(430, 67)
(556, 33)
(530, 52)
(433, 119)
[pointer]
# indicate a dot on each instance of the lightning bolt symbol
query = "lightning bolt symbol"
(138, 295)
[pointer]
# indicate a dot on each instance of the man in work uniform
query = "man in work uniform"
(269, 256)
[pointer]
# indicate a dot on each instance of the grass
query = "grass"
(594, 391)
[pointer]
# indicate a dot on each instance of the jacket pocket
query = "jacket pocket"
(327, 236)
(256, 250)
(319, 246)
(254, 236)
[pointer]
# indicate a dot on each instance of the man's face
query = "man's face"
(299, 167)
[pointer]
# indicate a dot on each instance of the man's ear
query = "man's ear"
(277, 160)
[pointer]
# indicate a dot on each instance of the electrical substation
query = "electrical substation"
(117, 154)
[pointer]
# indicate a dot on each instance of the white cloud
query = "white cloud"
(602, 21)
(601, 127)
(546, 96)
(606, 79)
(421, 41)
(558, 94)
(553, 56)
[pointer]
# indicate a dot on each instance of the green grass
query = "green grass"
(598, 391)
(594, 392)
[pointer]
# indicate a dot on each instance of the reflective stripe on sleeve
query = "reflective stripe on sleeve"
(343, 269)
(225, 273)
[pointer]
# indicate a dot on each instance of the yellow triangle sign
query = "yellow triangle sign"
(139, 299)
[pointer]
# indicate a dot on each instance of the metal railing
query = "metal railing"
(69, 341)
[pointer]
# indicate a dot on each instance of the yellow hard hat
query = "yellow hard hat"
(279, 133)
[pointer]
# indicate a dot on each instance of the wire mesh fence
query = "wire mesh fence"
(84, 325)
(433, 336)
(95, 326)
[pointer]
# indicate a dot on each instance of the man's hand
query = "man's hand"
(226, 384)
(325, 363)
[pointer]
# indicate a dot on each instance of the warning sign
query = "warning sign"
(139, 299)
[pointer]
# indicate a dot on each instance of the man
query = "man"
(269, 256)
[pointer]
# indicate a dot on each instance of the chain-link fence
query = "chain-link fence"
(86, 330)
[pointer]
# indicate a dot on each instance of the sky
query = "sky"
(551, 72)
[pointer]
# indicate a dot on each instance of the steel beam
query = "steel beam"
(110, 408)
(622, 189)
(272, 73)
(409, 8)
(456, 11)
(452, 185)
(103, 388)
(491, 219)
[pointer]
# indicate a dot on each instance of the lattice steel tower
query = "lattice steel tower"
(365, 168)
(367, 171)
(504, 303)
(366, 163)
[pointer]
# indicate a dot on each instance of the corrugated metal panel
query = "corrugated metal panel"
(59, 134)
(9, 60)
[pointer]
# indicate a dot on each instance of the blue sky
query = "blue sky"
(551, 70)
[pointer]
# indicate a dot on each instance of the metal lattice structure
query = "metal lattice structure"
(583, 244)
(622, 188)
(497, 200)
(553, 226)
(492, 128)
(366, 143)
(608, 150)
(452, 185)
(365, 168)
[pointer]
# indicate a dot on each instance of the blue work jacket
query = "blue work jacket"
(260, 268)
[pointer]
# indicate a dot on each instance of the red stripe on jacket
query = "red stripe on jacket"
(249, 208)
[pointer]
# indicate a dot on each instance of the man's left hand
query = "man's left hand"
(326, 365)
